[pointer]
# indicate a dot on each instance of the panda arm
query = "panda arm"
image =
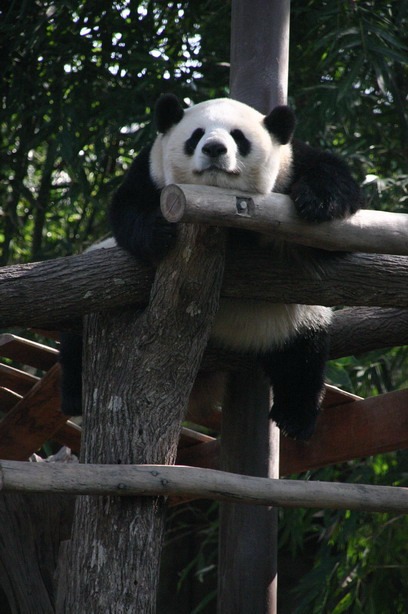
(322, 187)
(135, 217)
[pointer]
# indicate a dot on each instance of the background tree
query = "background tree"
(78, 83)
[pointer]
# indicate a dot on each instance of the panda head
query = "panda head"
(222, 143)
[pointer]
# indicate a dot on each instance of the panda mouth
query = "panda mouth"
(214, 169)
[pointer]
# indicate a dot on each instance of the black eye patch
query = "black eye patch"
(192, 142)
(244, 146)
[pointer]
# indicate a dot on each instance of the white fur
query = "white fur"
(260, 326)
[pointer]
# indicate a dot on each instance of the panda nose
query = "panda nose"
(214, 149)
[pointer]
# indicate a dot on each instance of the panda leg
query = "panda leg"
(297, 376)
(71, 373)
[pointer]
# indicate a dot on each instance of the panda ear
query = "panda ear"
(281, 124)
(168, 111)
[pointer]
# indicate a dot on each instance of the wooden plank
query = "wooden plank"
(205, 455)
(334, 396)
(28, 352)
(69, 435)
(16, 380)
(189, 438)
(34, 419)
(344, 432)
(362, 428)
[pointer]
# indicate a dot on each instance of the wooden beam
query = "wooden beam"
(17, 380)
(356, 330)
(27, 352)
(34, 419)
(8, 399)
(110, 279)
(380, 232)
(344, 432)
(361, 428)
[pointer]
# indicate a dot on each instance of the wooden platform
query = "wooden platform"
(349, 427)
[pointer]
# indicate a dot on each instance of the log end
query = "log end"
(172, 203)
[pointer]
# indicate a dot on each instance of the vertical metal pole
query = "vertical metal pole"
(260, 52)
(249, 441)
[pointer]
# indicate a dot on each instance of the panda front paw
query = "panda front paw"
(296, 425)
(322, 201)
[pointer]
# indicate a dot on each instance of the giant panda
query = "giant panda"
(228, 144)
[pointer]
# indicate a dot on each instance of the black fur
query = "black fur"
(191, 143)
(297, 373)
(71, 373)
(281, 123)
(168, 111)
(322, 189)
(137, 223)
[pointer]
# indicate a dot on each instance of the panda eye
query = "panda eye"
(192, 142)
(244, 146)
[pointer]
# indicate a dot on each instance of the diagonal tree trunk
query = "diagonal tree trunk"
(139, 370)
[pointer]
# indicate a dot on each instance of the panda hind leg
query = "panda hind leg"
(297, 374)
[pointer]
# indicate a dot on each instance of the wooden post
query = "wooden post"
(249, 441)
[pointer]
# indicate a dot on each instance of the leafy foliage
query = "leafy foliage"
(79, 82)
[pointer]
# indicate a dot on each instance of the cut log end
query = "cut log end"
(173, 203)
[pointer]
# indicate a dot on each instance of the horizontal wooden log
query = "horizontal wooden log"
(356, 330)
(164, 480)
(380, 232)
(52, 294)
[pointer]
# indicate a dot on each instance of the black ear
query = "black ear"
(281, 124)
(168, 111)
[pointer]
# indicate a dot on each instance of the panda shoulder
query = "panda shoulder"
(138, 184)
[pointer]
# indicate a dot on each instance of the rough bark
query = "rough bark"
(31, 529)
(138, 375)
(109, 279)
(362, 329)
